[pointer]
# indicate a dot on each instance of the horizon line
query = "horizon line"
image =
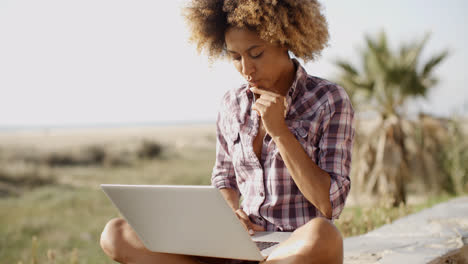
(4, 128)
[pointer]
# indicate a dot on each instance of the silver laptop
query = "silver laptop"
(189, 220)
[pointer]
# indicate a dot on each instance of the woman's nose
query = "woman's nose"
(248, 67)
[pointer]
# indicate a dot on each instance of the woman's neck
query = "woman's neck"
(287, 78)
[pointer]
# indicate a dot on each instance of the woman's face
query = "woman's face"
(261, 63)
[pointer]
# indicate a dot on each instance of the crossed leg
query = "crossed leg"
(121, 243)
(318, 241)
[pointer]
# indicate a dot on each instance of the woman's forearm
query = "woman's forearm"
(312, 181)
(232, 197)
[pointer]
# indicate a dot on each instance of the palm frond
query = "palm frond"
(388, 78)
(410, 55)
(434, 61)
(347, 67)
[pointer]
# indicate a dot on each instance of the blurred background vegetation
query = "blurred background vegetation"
(52, 210)
(394, 154)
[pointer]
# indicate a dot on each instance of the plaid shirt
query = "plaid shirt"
(320, 115)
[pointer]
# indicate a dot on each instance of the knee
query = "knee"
(324, 237)
(112, 238)
(323, 229)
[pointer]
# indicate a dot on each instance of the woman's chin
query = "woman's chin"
(273, 90)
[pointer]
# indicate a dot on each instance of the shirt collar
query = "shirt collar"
(298, 83)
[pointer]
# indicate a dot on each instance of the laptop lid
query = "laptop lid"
(190, 220)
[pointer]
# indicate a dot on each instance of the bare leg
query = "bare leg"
(315, 242)
(318, 241)
(120, 243)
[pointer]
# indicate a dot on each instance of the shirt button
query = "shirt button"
(262, 194)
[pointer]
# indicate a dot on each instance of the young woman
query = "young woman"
(284, 138)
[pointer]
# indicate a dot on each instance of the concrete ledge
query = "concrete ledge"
(435, 235)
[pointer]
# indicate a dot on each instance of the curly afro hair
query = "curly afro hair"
(297, 25)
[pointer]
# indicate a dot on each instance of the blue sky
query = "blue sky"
(116, 62)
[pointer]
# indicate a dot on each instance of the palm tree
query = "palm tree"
(384, 84)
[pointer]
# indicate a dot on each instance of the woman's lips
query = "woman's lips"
(253, 83)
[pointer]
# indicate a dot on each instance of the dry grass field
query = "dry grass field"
(51, 207)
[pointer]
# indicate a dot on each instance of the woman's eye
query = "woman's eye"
(236, 58)
(257, 55)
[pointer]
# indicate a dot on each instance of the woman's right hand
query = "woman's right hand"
(249, 226)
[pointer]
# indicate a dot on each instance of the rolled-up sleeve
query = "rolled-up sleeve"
(223, 175)
(336, 148)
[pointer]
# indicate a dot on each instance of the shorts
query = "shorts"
(208, 260)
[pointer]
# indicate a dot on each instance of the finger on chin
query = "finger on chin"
(256, 110)
(259, 91)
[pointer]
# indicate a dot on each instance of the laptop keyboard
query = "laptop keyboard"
(263, 245)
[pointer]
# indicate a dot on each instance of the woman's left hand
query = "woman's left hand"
(272, 109)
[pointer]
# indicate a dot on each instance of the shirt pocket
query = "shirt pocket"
(236, 148)
(304, 131)
(300, 129)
